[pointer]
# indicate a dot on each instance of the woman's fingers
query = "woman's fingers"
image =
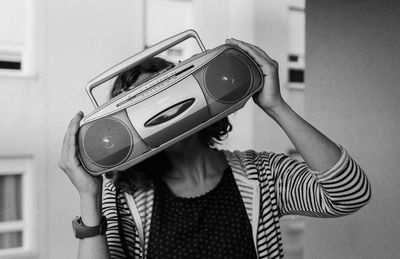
(74, 124)
(270, 95)
(70, 164)
(267, 64)
(73, 130)
(245, 45)
(68, 150)
(274, 62)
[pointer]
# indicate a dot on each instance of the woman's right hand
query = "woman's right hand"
(87, 185)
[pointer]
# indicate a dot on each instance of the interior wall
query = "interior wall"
(353, 96)
(216, 21)
(76, 41)
(83, 39)
(23, 110)
(271, 32)
(72, 47)
(265, 24)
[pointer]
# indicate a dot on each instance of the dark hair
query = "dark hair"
(141, 175)
(126, 80)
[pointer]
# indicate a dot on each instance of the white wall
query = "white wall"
(75, 41)
(83, 38)
(263, 23)
(271, 31)
(353, 95)
(216, 21)
(22, 131)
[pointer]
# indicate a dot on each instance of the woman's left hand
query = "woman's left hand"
(270, 96)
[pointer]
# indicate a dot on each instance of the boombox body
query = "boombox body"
(168, 107)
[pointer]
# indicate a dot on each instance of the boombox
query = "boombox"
(170, 106)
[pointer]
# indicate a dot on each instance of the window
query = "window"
(296, 59)
(15, 206)
(16, 37)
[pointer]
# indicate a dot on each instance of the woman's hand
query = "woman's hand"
(86, 184)
(270, 96)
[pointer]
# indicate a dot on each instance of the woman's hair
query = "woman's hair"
(140, 176)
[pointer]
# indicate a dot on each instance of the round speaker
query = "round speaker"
(107, 142)
(228, 78)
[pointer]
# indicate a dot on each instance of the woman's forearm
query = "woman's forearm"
(318, 151)
(89, 189)
(92, 247)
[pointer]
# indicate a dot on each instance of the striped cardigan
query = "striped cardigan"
(271, 185)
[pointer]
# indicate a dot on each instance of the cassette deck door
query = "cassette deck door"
(170, 113)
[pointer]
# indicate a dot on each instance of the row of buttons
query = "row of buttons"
(149, 90)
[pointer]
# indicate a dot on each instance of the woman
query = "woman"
(194, 201)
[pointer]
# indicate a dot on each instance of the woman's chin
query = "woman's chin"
(182, 146)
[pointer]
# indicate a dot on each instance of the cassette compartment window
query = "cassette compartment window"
(15, 210)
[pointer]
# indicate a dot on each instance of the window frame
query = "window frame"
(296, 16)
(20, 166)
(22, 52)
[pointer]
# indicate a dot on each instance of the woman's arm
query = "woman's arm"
(338, 191)
(330, 183)
(319, 152)
(90, 193)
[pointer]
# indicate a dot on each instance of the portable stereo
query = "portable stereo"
(170, 106)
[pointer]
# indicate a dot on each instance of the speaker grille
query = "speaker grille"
(228, 78)
(107, 142)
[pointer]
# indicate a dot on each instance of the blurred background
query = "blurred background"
(339, 68)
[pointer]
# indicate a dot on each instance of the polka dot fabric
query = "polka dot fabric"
(213, 225)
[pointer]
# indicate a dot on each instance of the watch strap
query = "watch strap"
(82, 231)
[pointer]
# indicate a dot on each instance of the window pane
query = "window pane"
(10, 240)
(10, 197)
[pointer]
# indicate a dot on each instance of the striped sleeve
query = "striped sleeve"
(339, 191)
(121, 231)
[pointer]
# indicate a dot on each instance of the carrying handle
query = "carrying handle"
(136, 59)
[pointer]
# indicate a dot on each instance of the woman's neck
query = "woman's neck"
(194, 161)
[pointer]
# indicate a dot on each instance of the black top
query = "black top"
(213, 225)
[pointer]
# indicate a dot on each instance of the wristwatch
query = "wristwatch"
(82, 231)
